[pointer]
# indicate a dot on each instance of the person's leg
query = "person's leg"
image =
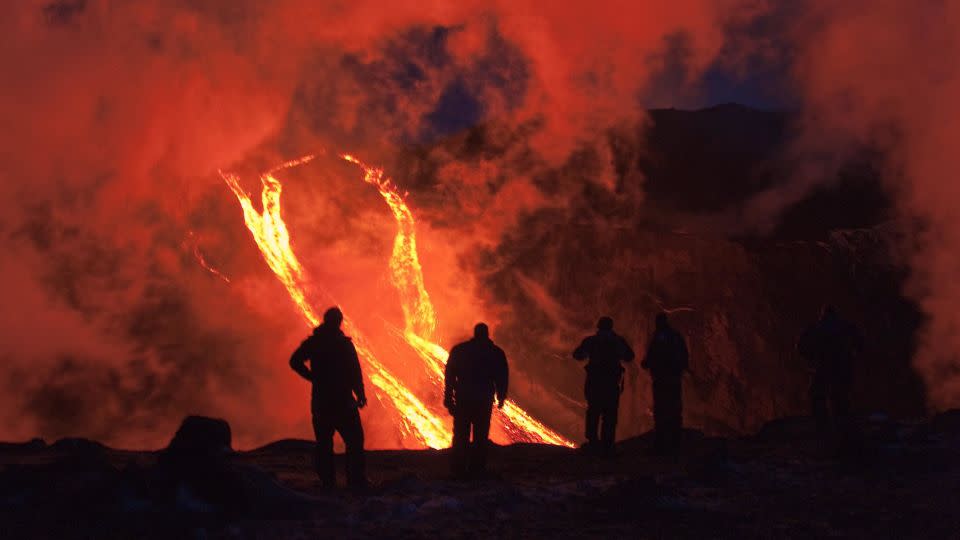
(460, 444)
(818, 402)
(840, 390)
(675, 416)
(481, 436)
(848, 434)
(610, 413)
(593, 412)
(323, 431)
(592, 422)
(660, 429)
(351, 430)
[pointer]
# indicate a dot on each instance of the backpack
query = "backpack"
(606, 352)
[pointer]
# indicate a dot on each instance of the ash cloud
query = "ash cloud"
(887, 74)
(873, 85)
(121, 113)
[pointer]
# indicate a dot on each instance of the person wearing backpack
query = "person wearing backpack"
(605, 350)
(666, 360)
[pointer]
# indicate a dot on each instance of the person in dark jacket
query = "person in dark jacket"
(666, 360)
(476, 372)
(337, 395)
(830, 345)
(605, 350)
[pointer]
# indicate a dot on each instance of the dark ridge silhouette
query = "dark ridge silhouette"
(32, 445)
(77, 444)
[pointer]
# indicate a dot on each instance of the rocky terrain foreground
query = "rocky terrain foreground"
(894, 479)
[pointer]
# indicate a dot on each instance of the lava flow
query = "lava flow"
(273, 239)
(419, 316)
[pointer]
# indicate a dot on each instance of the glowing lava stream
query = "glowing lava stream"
(420, 319)
(273, 239)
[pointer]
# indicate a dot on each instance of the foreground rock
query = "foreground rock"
(780, 483)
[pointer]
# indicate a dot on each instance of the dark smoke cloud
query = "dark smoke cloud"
(118, 115)
(887, 74)
(874, 84)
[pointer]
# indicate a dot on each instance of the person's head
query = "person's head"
(605, 324)
(662, 321)
(828, 312)
(333, 317)
(481, 331)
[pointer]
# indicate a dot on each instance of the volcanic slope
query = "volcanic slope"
(679, 233)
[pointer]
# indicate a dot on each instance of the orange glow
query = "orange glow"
(272, 237)
(420, 423)
(203, 261)
(420, 318)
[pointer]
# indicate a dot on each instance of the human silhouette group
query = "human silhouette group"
(476, 379)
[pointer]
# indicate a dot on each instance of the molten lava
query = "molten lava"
(202, 261)
(418, 421)
(420, 318)
(272, 237)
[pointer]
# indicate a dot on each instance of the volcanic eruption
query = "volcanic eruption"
(419, 418)
(541, 169)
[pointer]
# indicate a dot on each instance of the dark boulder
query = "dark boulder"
(200, 434)
(196, 469)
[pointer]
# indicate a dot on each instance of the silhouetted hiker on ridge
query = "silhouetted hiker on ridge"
(476, 372)
(604, 383)
(337, 395)
(830, 345)
(666, 360)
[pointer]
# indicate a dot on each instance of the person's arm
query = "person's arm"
(627, 354)
(858, 342)
(502, 379)
(648, 357)
(449, 379)
(356, 376)
(298, 361)
(583, 351)
(684, 359)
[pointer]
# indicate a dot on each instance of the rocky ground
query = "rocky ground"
(895, 480)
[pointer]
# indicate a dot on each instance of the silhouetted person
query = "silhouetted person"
(476, 373)
(830, 345)
(666, 360)
(605, 350)
(337, 395)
